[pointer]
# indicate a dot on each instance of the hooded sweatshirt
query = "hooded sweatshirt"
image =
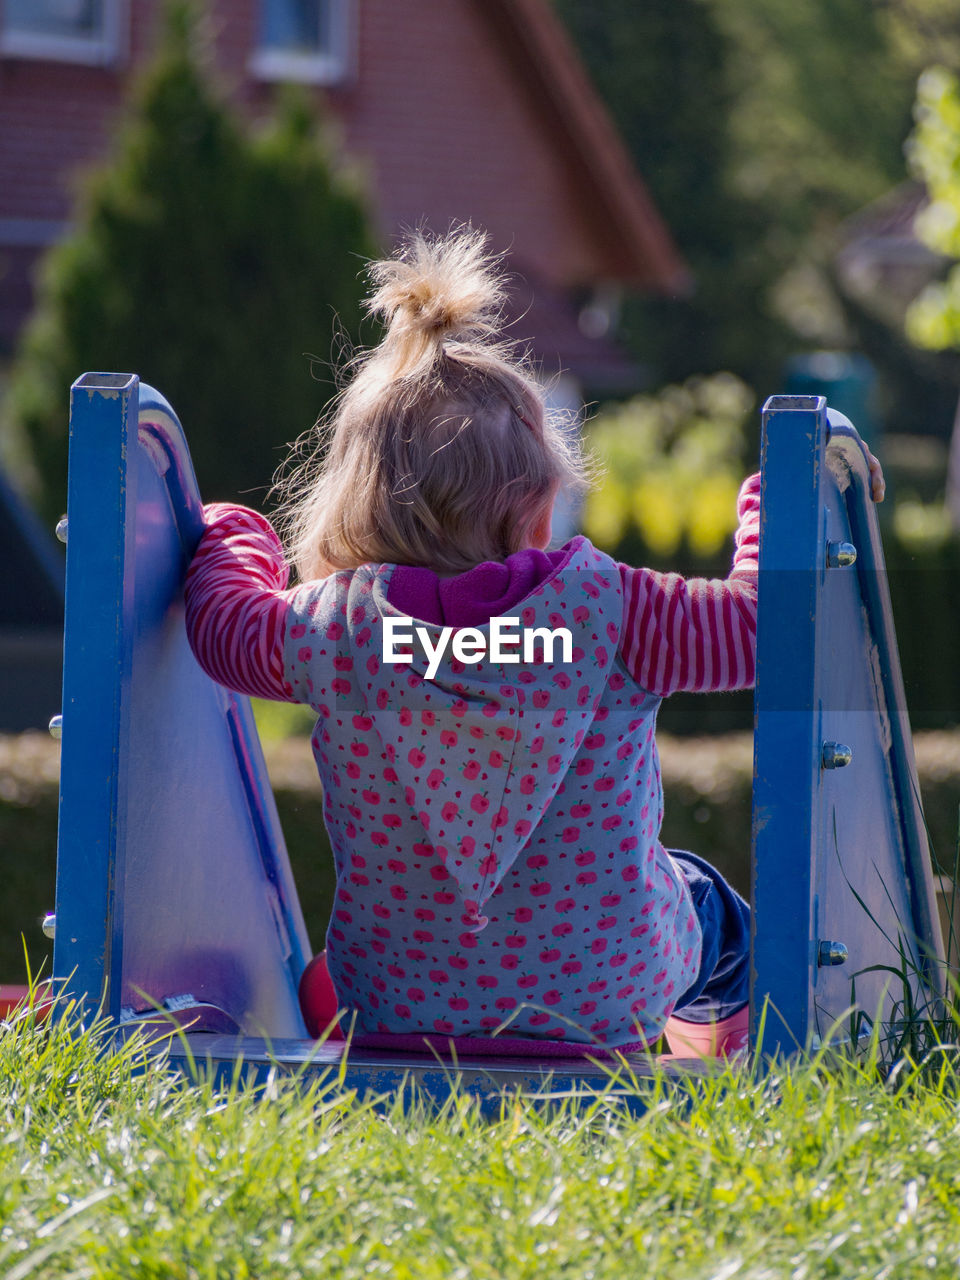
(494, 824)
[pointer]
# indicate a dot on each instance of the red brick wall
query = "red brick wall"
(55, 117)
(52, 117)
(451, 132)
(436, 112)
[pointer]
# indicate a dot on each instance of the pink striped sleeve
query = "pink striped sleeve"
(694, 634)
(237, 609)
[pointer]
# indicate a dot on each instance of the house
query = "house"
(880, 259)
(472, 110)
(466, 110)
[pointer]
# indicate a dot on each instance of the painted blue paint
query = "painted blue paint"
(172, 879)
(828, 671)
(173, 884)
(379, 1075)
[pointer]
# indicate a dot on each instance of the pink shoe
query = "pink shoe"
(709, 1039)
(318, 999)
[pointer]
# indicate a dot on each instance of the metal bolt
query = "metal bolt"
(50, 925)
(56, 727)
(830, 953)
(841, 555)
(62, 528)
(835, 755)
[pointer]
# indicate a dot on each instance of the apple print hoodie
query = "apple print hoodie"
(494, 827)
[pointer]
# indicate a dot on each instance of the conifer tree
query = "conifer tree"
(219, 263)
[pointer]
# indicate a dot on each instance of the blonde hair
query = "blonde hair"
(440, 451)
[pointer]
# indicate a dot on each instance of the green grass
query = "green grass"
(818, 1169)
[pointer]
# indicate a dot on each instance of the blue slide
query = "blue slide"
(174, 890)
(173, 884)
(842, 888)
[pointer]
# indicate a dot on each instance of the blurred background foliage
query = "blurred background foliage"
(766, 132)
(933, 319)
(672, 466)
(771, 136)
(200, 246)
(759, 126)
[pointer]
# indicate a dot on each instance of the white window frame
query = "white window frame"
(331, 66)
(99, 51)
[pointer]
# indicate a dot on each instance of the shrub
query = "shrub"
(211, 262)
(673, 462)
(707, 786)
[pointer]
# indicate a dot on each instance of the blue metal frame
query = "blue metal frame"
(96, 664)
(383, 1075)
(839, 854)
(173, 883)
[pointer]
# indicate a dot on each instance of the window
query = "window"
(306, 40)
(62, 30)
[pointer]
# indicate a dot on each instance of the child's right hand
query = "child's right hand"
(878, 486)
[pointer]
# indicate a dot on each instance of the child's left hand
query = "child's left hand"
(878, 486)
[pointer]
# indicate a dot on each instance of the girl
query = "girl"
(494, 817)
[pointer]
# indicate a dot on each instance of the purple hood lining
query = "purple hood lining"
(472, 598)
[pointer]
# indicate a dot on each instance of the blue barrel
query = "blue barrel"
(846, 379)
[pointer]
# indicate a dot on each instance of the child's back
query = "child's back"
(494, 828)
(494, 823)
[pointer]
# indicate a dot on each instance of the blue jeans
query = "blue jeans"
(723, 984)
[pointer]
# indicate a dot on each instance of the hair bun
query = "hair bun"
(437, 287)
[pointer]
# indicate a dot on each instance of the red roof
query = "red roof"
(456, 110)
(639, 246)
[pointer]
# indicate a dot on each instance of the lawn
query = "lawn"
(814, 1169)
(109, 1168)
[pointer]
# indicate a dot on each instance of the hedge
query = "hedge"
(707, 784)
